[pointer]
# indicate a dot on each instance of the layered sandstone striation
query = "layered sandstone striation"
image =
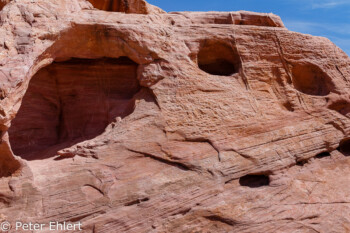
(170, 122)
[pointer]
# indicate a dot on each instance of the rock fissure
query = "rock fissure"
(163, 160)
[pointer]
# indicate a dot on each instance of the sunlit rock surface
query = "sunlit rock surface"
(170, 122)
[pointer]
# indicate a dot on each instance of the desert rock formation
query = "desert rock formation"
(170, 122)
(127, 6)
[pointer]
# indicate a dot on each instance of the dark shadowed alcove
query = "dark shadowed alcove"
(254, 181)
(111, 5)
(72, 101)
(342, 106)
(344, 147)
(218, 58)
(311, 80)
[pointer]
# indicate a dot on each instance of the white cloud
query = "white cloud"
(329, 4)
(326, 4)
(323, 4)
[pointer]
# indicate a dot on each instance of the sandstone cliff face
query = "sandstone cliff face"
(170, 122)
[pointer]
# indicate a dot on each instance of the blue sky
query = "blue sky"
(328, 18)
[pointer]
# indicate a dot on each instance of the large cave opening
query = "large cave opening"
(72, 101)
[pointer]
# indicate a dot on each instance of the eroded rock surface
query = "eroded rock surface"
(73, 100)
(127, 6)
(3, 3)
(170, 122)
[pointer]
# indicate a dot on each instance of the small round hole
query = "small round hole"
(254, 181)
(217, 58)
(344, 147)
(323, 155)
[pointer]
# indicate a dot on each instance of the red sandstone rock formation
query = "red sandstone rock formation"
(127, 6)
(170, 122)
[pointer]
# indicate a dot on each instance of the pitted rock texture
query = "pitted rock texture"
(170, 122)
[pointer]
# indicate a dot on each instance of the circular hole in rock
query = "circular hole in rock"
(344, 147)
(218, 58)
(323, 155)
(311, 80)
(254, 181)
(72, 101)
